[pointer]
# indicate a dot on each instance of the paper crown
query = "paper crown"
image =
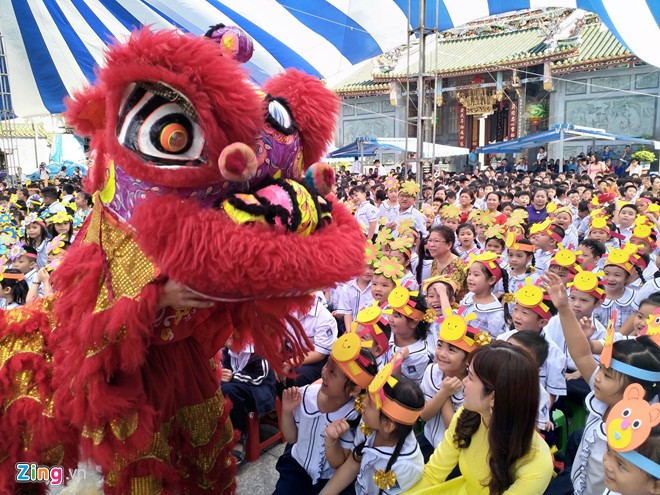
(60, 217)
(346, 353)
(55, 245)
(495, 231)
(427, 210)
(374, 324)
(629, 425)
(439, 278)
(450, 211)
(384, 236)
(391, 182)
(401, 302)
(588, 282)
(406, 225)
(535, 298)
(388, 406)
(546, 227)
(16, 251)
(644, 233)
(389, 267)
(455, 330)
(402, 243)
(621, 258)
(566, 258)
(5, 219)
(33, 218)
(371, 253)
(410, 187)
(517, 217)
(608, 361)
(563, 209)
(482, 217)
(490, 260)
(653, 326)
(512, 242)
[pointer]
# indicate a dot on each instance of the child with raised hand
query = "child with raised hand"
(618, 267)
(409, 320)
(632, 459)
(533, 311)
(545, 236)
(466, 235)
(305, 467)
(484, 271)
(386, 458)
(443, 379)
(622, 363)
(440, 294)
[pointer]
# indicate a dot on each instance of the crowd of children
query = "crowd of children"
(499, 301)
(37, 226)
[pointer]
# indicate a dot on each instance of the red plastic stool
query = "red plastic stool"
(254, 444)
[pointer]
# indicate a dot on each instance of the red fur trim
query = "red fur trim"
(86, 110)
(229, 109)
(246, 261)
(314, 109)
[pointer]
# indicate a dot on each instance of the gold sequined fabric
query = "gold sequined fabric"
(12, 345)
(129, 269)
(201, 420)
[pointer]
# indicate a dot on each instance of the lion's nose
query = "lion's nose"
(238, 163)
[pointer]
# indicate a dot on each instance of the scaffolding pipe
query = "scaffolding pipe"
(421, 95)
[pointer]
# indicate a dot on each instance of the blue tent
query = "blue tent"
(363, 148)
(561, 132)
(54, 168)
(53, 47)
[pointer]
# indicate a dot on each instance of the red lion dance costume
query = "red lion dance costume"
(196, 177)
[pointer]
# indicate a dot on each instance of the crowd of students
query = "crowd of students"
(38, 223)
(502, 298)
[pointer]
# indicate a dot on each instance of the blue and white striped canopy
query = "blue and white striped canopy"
(53, 46)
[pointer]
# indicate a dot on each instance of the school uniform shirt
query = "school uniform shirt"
(42, 254)
(651, 268)
(623, 305)
(12, 305)
(55, 208)
(254, 375)
(409, 280)
(388, 211)
(419, 220)
(352, 299)
(584, 226)
(651, 286)
(320, 326)
(587, 474)
(613, 244)
(570, 240)
(414, 262)
(542, 260)
(626, 233)
(489, 316)
(365, 214)
(554, 333)
(544, 407)
(434, 429)
(309, 450)
(418, 359)
(432, 337)
(553, 371)
(465, 255)
(408, 466)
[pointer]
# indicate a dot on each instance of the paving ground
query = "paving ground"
(259, 478)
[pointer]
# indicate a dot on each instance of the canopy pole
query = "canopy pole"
(421, 95)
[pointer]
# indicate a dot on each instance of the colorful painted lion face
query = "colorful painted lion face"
(177, 130)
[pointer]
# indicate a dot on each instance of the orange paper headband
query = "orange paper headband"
(620, 258)
(371, 318)
(400, 301)
(346, 353)
(456, 331)
(388, 406)
(12, 276)
(512, 242)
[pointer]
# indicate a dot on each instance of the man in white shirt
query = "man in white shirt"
(356, 167)
(379, 170)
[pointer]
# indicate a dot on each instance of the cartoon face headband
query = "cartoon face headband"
(454, 329)
(532, 296)
(390, 407)
(346, 353)
(566, 258)
(389, 267)
(588, 282)
(490, 261)
(512, 242)
(401, 302)
(653, 326)
(620, 258)
(374, 323)
(608, 361)
(629, 425)
(546, 227)
(643, 233)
